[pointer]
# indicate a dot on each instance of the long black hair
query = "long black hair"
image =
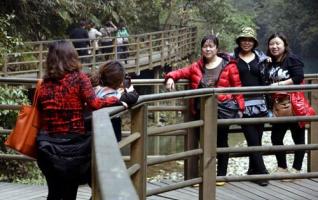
(282, 37)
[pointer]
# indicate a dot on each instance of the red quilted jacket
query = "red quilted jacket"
(300, 105)
(229, 77)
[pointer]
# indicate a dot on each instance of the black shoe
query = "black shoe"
(250, 171)
(262, 182)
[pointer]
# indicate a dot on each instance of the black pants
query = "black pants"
(65, 163)
(253, 134)
(59, 188)
(222, 141)
(298, 135)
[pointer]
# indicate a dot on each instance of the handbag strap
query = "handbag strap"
(36, 93)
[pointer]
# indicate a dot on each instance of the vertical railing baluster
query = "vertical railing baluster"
(137, 70)
(313, 132)
(150, 51)
(139, 149)
(208, 136)
(40, 73)
(5, 65)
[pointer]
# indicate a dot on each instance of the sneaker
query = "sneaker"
(283, 171)
(294, 171)
(220, 183)
(196, 185)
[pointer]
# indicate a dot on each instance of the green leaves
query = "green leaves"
(11, 96)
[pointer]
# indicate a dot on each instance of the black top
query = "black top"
(249, 72)
(290, 67)
(79, 33)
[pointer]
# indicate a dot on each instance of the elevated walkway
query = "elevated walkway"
(302, 189)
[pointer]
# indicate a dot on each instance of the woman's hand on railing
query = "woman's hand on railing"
(170, 84)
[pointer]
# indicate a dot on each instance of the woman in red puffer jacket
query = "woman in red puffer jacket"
(213, 69)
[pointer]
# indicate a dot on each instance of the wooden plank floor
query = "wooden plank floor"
(304, 189)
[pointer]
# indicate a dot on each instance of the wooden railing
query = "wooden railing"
(145, 52)
(113, 180)
(207, 149)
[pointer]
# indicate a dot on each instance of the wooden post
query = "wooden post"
(150, 51)
(191, 141)
(137, 70)
(162, 46)
(313, 133)
(139, 149)
(115, 48)
(208, 136)
(40, 74)
(156, 139)
(5, 65)
(94, 54)
(95, 188)
(169, 46)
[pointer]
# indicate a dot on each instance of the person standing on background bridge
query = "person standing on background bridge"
(106, 42)
(64, 148)
(122, 41)
(93, 34)
(287, 69)
(80, 33)
(251, 64)
(213, 69)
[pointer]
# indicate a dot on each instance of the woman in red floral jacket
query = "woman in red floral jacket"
(64, 148)
(213, 69)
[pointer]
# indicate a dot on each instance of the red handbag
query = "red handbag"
(23, 136)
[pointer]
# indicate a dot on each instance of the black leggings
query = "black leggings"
(222, 141)
(253, 135)
(59, 188)
(298, 135)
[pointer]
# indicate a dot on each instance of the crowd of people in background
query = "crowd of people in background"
(67, 95)
(88, 40)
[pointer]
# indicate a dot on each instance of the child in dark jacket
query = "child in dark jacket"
(111, 80)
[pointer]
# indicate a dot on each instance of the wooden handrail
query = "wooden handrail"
(105, 148)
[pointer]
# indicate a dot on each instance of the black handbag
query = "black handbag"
(228, 109)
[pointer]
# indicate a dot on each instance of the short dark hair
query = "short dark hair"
(62, 58)
(111, 74)
(213, 38)
(282, 37)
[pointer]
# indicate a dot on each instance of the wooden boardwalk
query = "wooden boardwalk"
(303, 189)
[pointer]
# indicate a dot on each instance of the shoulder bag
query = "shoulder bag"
(23, 136)
(282, 106)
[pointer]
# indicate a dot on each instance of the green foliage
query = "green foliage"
(14, 170)
(296, 19)
(8, 43)
(11, 96)
(20, 172)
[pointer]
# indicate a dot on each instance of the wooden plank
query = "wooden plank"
(277, 192)
(193, 193)
(14, 191)
(173, 194)
(309, 184)
(288, 188)
(265, 192)
(235, 186)
(300, 186)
